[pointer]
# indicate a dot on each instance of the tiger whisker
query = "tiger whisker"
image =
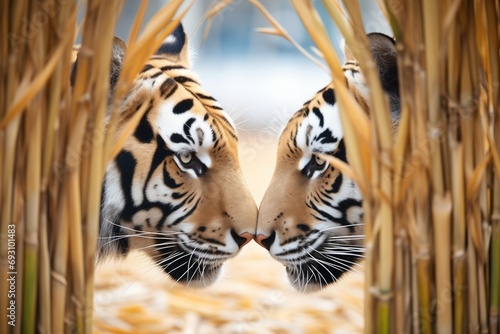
(189, 261)
(320, 262)
(340, 226)
(337, 266)
(116, 238)
(135, 231)
(337, 259)
(176, 256)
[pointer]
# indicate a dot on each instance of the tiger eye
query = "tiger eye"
(319, 160)
(186, 157)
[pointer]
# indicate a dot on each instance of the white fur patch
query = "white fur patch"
(200, 131)
(357, 80)
(170, 39)
(310, 129)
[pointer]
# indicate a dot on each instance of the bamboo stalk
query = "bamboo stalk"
(444, 190)
(19, 218)
(92, 209)
(441, 211)
(59, 267)
(44, 302)
(31, 241)
(50, 189)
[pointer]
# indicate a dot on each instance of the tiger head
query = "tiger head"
(311, 216)
(175, 190)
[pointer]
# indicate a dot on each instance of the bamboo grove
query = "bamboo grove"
(54, 146)
(432, 191)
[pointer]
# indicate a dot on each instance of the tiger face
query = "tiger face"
(176, 190)
(311, 216)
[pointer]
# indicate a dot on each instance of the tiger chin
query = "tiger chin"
(311, 217)
(175, 191)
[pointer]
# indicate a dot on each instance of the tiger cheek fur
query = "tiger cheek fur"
(311, 218)
(175, 191)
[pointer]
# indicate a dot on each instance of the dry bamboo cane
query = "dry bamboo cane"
(439, 46)
(42, 123)
(493, 28)
(32, 209)
(8, 136)
(442, 208)
(91, 211)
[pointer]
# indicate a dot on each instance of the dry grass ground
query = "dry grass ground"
(253, 296)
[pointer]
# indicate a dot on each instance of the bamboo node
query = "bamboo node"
(85, 51)
(78, 303)
(384, 296)
(61, 279)
(31, 239)
(435, 132)
(465, 109)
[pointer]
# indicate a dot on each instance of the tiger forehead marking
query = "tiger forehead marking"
(311, 217)
(176, 190)
(319, 128)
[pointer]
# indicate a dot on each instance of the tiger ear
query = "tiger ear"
(175, 47)
(117, 54)
(384, 53)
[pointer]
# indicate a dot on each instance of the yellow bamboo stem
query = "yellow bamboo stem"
(441, 215)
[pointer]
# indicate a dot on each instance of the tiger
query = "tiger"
(311, 217)
(175, 191)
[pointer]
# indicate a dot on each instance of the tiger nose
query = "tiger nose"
(266, 241)
(241, 239)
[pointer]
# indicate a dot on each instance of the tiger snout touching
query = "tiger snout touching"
(311, 217)
(175, 191)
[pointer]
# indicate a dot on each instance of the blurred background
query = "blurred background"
(260, 80)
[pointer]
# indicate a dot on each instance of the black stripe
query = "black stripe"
(126, 163)
(178, 138)
(146, 68)
(144, 131)
(187, 127)
(182, 79)
(321, 212)
(343, 207)
(161, 153)
(326, 137)
(229, 126)
(165, 86)
(183, 106)
(321, 90)
(180, 219)
(172, 67)
(341, 152)
(215, 107)
(177, 195)
(214, 137)
(205, 97)
(329, 96)
(157, 74)
(318, 114)
(167, 179)
(336, 184)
